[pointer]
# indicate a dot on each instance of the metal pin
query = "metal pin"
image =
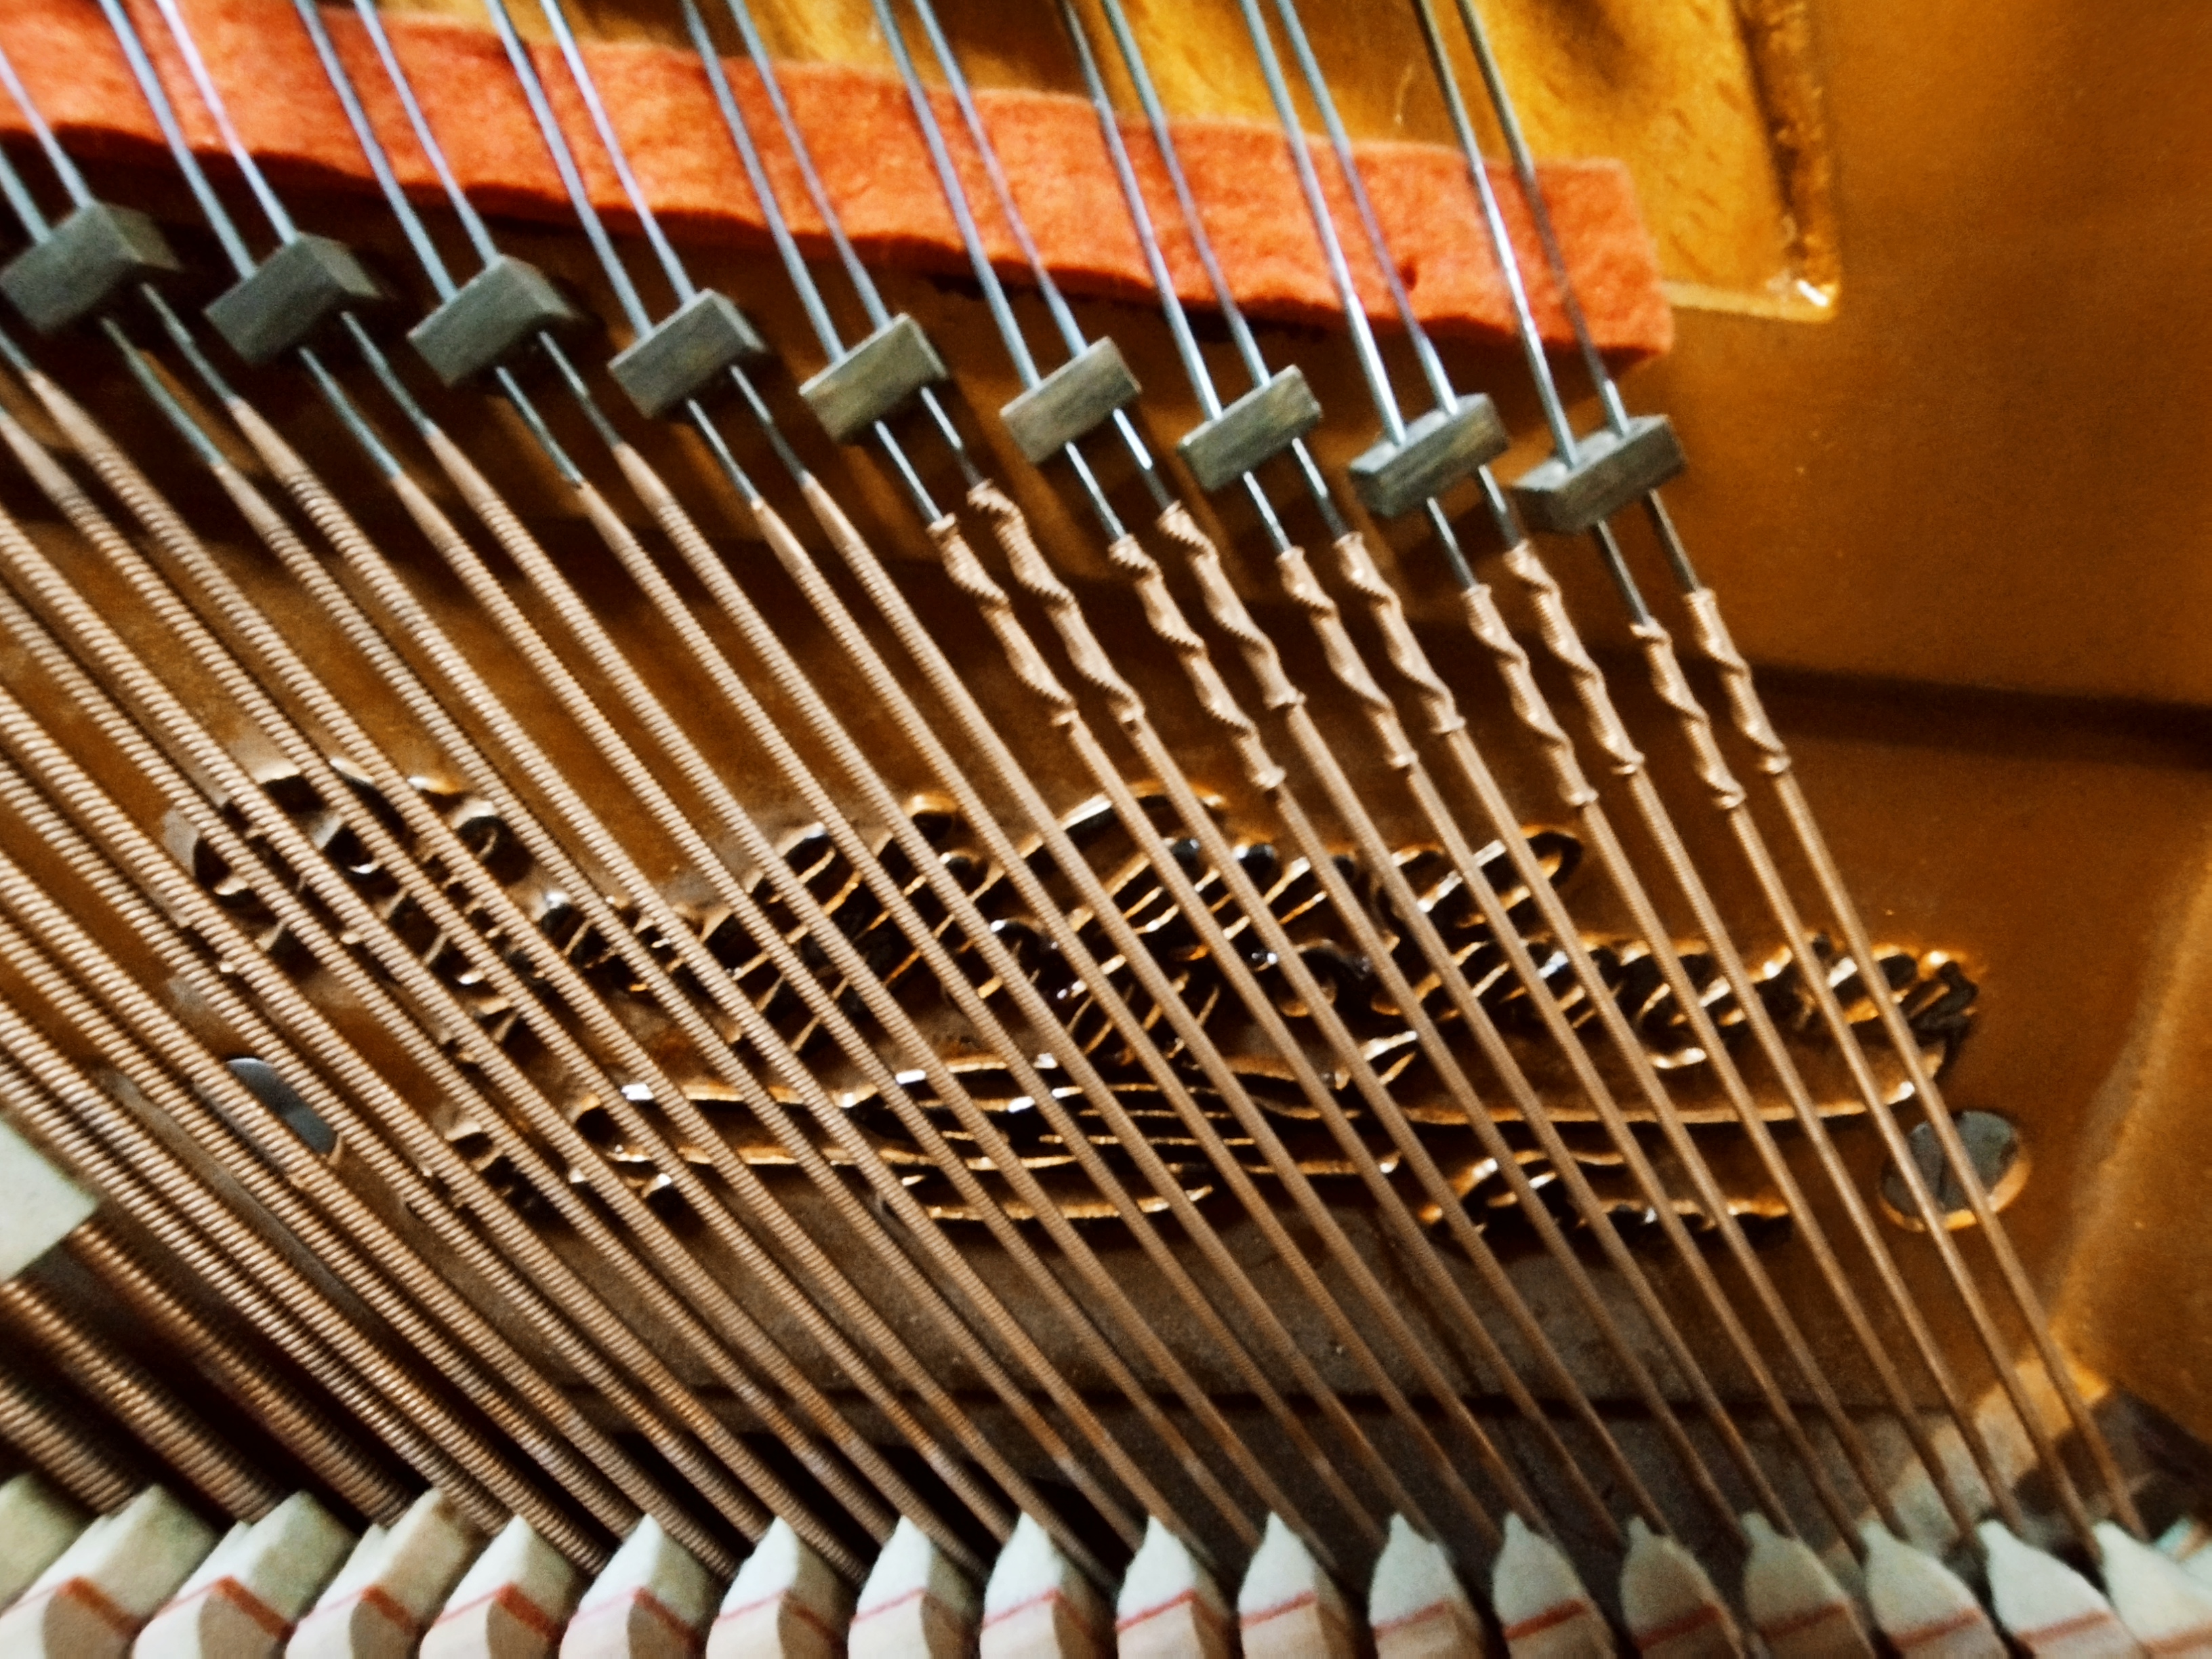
(1054, 410)
(125, 1163)
(280, 301)
(260, 1178)
(669, 364)
(80, 266)
(185, 1219)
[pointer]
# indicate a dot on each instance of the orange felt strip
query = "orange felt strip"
(871, 159)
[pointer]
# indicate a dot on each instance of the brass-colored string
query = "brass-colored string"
(1626, 762)
(733, 602)
(407, 621)
(290, 844)
(1410, 659)
(1024, 659)
(120, 472)
(176, 537)
(716, 978)
(621, 543)
(857, 1451)
(879, 1000)
(678, 526)
(1161, 1357)
(1774, 761)
(141, 1401)
(1036, 1012)
(268, 1183)
(122, 1159)
(1185, 1025)
(1141, 832)
(1260, 654)
(937, 668)
(1228, 609)
(1778, 1314)
(327, 1449)
(58, 1442)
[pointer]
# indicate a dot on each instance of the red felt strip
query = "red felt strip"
(871, 159)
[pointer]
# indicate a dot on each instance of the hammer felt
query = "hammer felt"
(871, 159)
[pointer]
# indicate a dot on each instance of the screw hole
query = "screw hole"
(1993, 1148)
